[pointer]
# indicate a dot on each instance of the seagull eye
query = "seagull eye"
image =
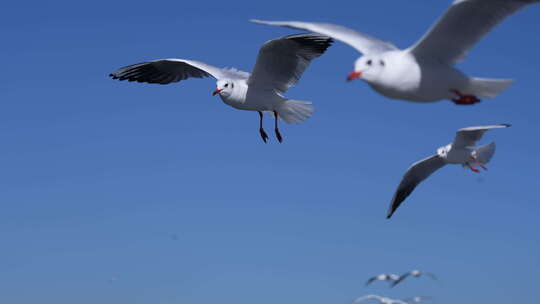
(381, 62)
(226, 85)
(369, 62)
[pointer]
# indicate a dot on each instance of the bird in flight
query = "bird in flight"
(416, 274)
(461, 151)
(389, 277)
(425, 71)
(280, 65)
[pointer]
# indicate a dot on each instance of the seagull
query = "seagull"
(425, 72)
(383, 277)
(417, 299)
(461, 151)
(414, 273)
(382, 300)
(280, 64)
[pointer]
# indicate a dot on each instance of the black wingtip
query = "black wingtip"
(506, 125)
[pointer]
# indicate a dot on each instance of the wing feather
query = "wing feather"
(418, 172)
(462, 26)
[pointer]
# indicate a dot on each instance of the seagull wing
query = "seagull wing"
(400, 279)
(371, 280)
(363, 43)
(165, 71)
(418, 172)
(369, 297)
(467, 137)
(462, 26)
(281, 62)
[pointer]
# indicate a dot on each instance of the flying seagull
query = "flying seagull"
(425, 71)
(417, 299)
(462, 151)
(381, 300)
(280, 64)
(383, 277)
(414, 273)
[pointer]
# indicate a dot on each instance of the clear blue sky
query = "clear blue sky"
(118, 192)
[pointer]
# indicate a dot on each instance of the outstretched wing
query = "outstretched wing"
(462, 26)
(418, 172)
(281, 62)
(400, 279)
(369, 297)
(467, 137)
(165, 71)
(363, 43)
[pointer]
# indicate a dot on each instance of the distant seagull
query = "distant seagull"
(461, 151)
(417, 299)
(382, 300)
(280, 64)
(383, 277)
(425, 71)
(414, 273)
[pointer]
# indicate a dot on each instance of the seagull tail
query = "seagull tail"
(292, 111)
(488, 88)
(484, 153)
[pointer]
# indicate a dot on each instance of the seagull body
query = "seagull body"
(461, 151)
(390, 277)
(280, 64)
(425, 72)
(416, 274)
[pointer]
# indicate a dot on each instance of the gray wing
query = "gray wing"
(369, 297)
(281, 62)
(361, 42)
(165, 71)
(462, 26)
(418, 172)
(400, 279)
(467, 137)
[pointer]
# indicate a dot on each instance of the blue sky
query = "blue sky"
(118, 192)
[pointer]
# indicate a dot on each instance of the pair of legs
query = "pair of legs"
(476, 161)
(264, 136)
(464, 99)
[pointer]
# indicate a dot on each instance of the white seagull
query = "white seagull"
(280, 65)
(417, 299)
(414, 273)
(462, 151)
(425, 72)
(382, 300)
(390, 277)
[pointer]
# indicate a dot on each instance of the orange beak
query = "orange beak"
(216, 91)
(354, 75)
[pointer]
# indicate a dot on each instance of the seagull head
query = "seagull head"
(224, 88)
(442, 152)
(367, 68)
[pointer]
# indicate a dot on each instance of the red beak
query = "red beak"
(216, 91)
(354, 75)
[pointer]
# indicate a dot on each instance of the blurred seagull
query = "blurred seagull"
(425, 71)
(382, 300)
(416, 274)
(461, 151)
(417, 299)
(280, 64)
(383, 277)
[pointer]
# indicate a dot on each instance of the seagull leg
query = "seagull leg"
(464, 99)
(264, 136)
(278, 135)
(479, 163)
(473, 169)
